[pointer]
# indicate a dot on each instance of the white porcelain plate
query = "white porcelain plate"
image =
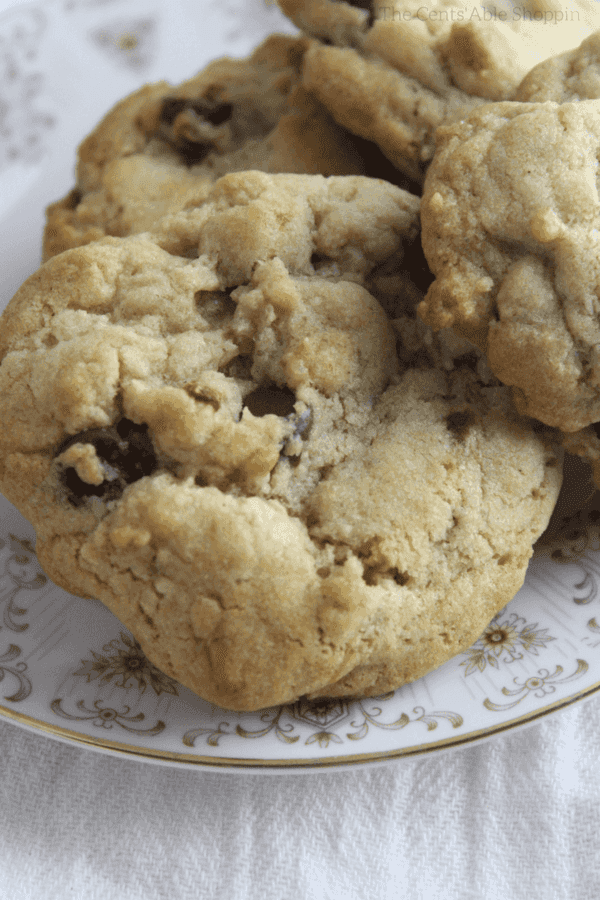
(67, 666)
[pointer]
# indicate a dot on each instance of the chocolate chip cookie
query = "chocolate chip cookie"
(163, 147)
(394, 73)
(212, 431)
(510, 220)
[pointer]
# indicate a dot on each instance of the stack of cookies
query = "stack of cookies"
(291, 390)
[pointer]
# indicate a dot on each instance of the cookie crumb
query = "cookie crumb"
(545, 226)
(126, 535)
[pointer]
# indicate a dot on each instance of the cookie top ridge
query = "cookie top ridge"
(510, 217)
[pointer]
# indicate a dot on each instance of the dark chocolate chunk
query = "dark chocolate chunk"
(126, 452)
(459, 423)
(181, 123)
(268, 398)
(215, 113)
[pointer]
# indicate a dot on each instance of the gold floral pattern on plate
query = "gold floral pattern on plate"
(124, 662)
(504, 640)
(106, 717)
(321, 716)
(18, 671)
(21, 572)
(544, 682)
(593, 626)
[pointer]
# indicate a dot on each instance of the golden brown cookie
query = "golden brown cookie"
(510, 219)
(395, 72)
(211, 431)
(164, 146)
(565, 78)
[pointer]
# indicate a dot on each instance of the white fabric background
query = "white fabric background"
(515, 818)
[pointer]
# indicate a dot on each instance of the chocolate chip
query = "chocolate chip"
(183, 124)
(459, 423)
(215, 113)
(126, 453)
(216, 116)
(171, 108)
(401, 578)
(268, 398)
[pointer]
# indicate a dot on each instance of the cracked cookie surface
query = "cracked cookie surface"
(163, 147)
(212, 432)
(511, 218)
(395, 72)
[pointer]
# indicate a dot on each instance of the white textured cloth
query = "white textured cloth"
(515, 818)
